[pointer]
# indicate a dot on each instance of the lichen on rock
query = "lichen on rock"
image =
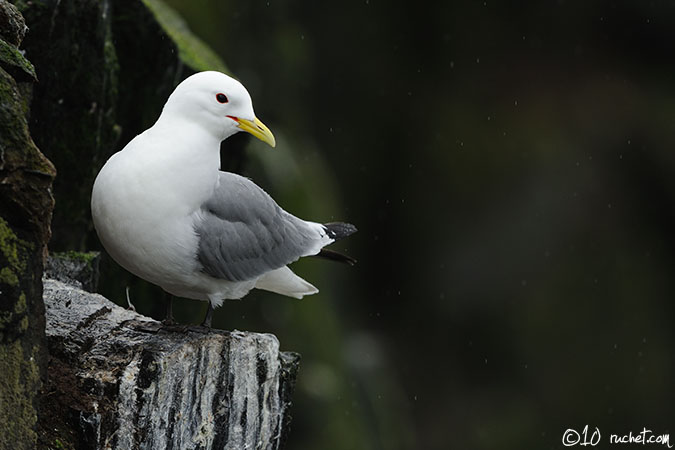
(18, 385)
(25, 211)
(13, 59)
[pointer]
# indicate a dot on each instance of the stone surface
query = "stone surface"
(79, 269)
(25, 211)
(120, 381)
(12, 24)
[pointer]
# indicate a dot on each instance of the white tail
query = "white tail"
(283, 281)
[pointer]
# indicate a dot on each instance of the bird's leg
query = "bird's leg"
(209, 315)
(131, 306)
(168, 319)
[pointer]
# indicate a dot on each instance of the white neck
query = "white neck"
(218, 127)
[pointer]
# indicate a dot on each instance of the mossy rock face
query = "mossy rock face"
(25, 211)
(14, 61)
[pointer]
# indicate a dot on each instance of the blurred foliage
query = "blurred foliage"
(510, 170)
(191, 50)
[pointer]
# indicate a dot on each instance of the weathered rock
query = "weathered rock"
(25, 211)
(119, 385)
(79, 269)
(12, 24)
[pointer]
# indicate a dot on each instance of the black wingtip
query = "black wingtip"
(339, 230)
(335, 256)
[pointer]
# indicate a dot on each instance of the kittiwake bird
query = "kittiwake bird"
(165, 212)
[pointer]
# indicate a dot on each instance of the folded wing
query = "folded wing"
(244, 234)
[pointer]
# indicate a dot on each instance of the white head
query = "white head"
(218, 103)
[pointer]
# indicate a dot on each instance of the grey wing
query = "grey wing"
(243, 233)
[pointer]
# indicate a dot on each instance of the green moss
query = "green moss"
(21, 306)
(7, 318)
(14, 128)
(191, 50)
(10, 55)
(10, 247)
(18, 385)
(23, 324)
(15, 135)
(13, 252)
(7, 276)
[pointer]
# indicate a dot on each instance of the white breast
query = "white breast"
(144, 200)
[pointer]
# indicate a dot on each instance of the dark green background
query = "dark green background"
(511, 169)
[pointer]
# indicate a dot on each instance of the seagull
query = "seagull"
(164, 210)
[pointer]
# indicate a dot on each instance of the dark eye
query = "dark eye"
(222, 98)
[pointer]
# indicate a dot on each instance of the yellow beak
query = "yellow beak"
(257, 129)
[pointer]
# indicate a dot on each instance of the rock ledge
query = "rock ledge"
(120, 385)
